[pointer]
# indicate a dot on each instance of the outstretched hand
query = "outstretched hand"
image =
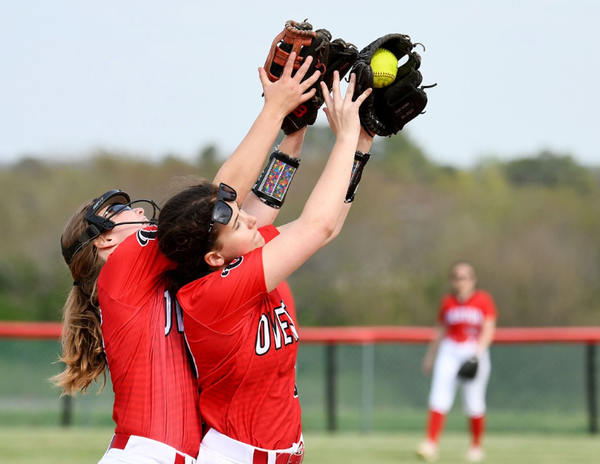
(288, 92)
(341, 111)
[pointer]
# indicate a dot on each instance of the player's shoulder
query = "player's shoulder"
(486, 302)
(137, 257)
(484, 294)
(269, 232)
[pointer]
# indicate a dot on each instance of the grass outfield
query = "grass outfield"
(45, 445)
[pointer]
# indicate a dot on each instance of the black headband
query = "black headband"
(98, 224)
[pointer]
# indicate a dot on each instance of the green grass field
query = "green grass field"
(51, 445)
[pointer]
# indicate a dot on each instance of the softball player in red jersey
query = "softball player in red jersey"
(119, 314)
(155, 396)
(467, 321)
(242, 336)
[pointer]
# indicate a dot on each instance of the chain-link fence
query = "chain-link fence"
(539, 388)
(368, 387)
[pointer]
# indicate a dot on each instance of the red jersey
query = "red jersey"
(155, 388)
(244, 342)
(286, 295)
(463, 320)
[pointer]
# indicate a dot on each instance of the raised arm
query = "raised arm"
(318, 221)
(281, 97)
(365, 141)
(266, 214)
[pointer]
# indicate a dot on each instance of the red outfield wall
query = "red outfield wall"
(359, 335)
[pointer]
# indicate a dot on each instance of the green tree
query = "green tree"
(535, 243)
(550, 169)
(403, 159)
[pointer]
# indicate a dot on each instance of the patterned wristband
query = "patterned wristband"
(272, 185)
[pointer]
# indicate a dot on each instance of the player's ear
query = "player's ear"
(214, 259)
(104, 245)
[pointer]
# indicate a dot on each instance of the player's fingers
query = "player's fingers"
(262, 75)
(326, 94)
(326, 111)
(308, 95)
(311, 80)
(351, 86)
(363, 96)
(302, 70)
(335, 87)
(289, 65)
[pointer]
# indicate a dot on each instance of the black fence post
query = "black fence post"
(330, 377)
(67, 411)
(591, 387)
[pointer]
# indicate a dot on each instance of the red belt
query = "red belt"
(262, 457)
(120, 441)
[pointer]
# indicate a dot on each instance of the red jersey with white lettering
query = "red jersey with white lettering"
(286, 295)
(463, 320)
(244, 342)
(156, 394)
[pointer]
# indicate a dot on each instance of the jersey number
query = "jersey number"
(172, 312)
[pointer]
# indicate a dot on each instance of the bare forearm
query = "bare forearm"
(327, 198)
(364, 145)
(340, 222)
(292, 144)
(245, 163)
(365, 142)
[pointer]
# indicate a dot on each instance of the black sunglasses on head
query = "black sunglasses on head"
(222, 212)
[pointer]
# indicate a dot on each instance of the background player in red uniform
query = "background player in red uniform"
(466, 326)
(119, 314)
(239, 329)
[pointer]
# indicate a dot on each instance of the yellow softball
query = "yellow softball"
(385, 66)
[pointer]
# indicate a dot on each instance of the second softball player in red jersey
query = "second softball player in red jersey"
(466, 326)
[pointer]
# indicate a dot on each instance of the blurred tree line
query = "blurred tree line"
(531, 227)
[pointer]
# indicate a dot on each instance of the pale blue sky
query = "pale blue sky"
(153, 77)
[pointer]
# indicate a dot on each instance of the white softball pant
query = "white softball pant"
(445, 380)
(217, 448)
(141, 450)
